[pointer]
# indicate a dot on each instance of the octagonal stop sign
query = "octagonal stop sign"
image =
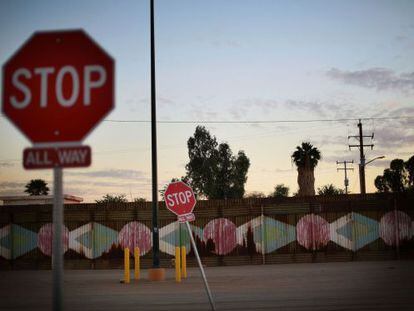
(58, 86)
(179, 199)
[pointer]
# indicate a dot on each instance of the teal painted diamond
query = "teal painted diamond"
(346, 230)
(276, 234)
(5, 242)
(24, 240)
(354, 231)
(92, 239)
(103, 238)
(85, 239)
(174, 235)
(366, 230)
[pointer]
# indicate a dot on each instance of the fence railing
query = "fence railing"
(227, 232)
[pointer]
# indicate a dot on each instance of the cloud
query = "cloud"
(226, 43)
(317, 109)
(380, 79)
(401, 112)
(394, 138)
(284, 171)
(401, 38)
(12, 188)
(6, 164)
(307, 106)
(331, 140)
(112, 173)
(202, 112)
(164, 101)
(12, 185)
(103, 184)
(161, 101)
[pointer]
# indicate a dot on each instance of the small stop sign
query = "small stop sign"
(179, 198)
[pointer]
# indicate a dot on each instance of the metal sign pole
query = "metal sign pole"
(210, 297)
(57, 255)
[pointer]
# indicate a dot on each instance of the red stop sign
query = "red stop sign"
(58, 86)
(179, 198)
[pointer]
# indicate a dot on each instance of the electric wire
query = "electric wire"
(256, 121)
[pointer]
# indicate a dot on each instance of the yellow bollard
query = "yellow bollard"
(136, 263)
(183, 262)
(177, 265)
(126, 266)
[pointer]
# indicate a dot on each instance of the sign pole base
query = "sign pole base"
(210, 297)
(156, 274)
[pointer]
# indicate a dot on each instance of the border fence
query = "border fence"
(227, 232)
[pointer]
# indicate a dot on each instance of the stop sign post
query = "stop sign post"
(179, 198)
(56, 88)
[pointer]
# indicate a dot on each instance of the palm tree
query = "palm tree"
(306, 157)
(37, 187)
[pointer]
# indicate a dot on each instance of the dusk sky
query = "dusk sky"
(226, 61)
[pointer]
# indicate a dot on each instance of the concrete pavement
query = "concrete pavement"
(383, 285)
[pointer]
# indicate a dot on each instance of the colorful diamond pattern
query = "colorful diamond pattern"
(352, 231)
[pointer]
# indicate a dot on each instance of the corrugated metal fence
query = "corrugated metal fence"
(231, 232)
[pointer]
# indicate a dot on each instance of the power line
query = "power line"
(256, 121)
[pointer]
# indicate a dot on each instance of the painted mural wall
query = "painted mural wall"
(219, 236)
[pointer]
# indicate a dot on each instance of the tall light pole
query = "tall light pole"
(156, 273)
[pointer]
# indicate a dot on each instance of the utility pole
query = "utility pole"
(361, 146)
(345, 168)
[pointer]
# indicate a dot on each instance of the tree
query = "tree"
(280, 191)
(330, 189)
(108, 198)
(139, 200)
(381, 184)
(306, 158)
(409, 165)
(213, 171)
(255, 195)
(37, 187)
(398, 178)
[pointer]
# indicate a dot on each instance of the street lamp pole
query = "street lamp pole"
(155, 233)
(377, 158)
(365, 164)
(155, 273)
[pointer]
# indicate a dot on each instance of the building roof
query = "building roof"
(37, 199)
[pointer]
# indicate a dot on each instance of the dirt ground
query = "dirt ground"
(387, 285)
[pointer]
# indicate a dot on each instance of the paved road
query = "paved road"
(319, 286)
